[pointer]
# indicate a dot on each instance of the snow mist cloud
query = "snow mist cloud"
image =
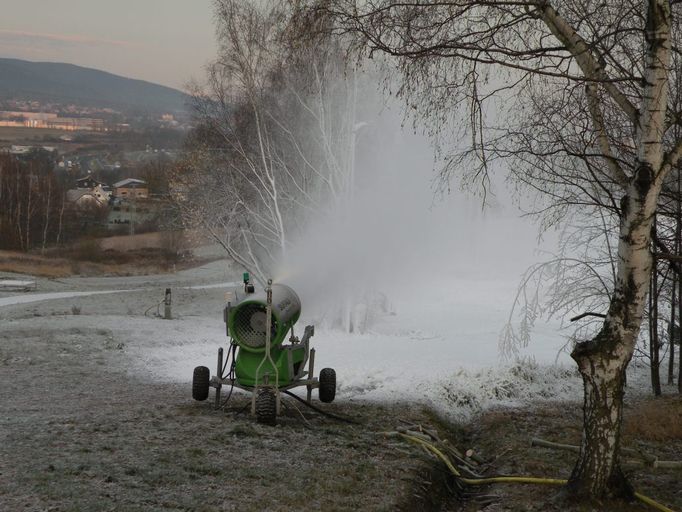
(396, 236)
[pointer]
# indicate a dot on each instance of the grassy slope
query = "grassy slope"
(80, 431)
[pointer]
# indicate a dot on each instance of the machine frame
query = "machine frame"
(266, 400)
(218, 380)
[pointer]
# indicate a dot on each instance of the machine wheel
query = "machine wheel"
(266, 407)
(327, 389)
(200, 383)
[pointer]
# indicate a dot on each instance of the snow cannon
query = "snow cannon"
(259, 360)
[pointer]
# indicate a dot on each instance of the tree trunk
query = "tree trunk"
(678, 336)
(18, 221)
(678, 246)
(602, 361)
(672, 331)
(597, 473)
(654, 346)
(48, 205)
(61, 219)
(29, 214)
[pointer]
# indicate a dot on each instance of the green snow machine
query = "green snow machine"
(259, 360)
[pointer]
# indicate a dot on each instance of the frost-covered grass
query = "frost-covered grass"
(442, 352)
(78, 431)
(98, 414)
(470, 392)
(434, 346)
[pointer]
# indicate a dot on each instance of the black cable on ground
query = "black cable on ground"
(154, 306)
(229, 395)
(233, 350)
(323, 412)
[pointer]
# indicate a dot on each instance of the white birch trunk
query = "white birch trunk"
(47, 214)
(602, 361)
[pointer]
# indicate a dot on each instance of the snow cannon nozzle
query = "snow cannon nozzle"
(264, 318)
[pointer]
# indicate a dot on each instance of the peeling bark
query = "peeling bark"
(603, 360)
(597, 473)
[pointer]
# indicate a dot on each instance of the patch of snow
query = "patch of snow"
(38, 297)
(14, 283)
(441, 350)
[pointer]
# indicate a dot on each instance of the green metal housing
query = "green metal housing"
(247, 325)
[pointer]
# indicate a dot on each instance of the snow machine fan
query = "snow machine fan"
(247, 321)
(261, 360)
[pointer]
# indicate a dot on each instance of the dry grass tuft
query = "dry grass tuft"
(657, 419)
(80, 262)
(34, 265)
(503, 437)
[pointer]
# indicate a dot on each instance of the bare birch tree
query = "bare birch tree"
(275, 143)
(586, 119)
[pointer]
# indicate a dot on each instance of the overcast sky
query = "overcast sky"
(163, 41)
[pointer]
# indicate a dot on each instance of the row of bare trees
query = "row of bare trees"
(575, 286)
(665, 306)
(34, 211)
(32, 204)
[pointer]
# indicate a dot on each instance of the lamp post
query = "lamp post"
(347, 318)
(353, 139)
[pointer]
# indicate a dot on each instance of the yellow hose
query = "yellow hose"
(652, 503)
(513, 479)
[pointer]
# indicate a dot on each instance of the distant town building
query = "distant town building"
(50, 120)
(131, 188)
(88, 182)
(89, 192)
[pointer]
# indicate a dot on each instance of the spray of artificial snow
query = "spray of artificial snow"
(394, 240)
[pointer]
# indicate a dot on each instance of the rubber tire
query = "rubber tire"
(327, 389)
(200, 383)
(266, 408)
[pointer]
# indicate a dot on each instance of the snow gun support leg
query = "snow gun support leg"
(218, 382)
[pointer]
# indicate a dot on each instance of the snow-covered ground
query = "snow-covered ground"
(443, 352)
(436, 345)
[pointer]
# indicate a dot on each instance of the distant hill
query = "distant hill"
(66, 83)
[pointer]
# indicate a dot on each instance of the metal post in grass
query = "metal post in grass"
(167, 301)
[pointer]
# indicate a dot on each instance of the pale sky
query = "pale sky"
(163, 41)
